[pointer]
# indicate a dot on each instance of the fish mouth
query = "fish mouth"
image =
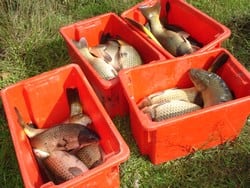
(193, 74)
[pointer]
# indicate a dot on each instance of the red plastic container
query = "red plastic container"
(201, 129)
(109, 92)
(200, 26)
(42, 100)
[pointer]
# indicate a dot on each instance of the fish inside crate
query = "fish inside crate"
(177, 27)
(105, 80)
(203, 128)
(56, 120)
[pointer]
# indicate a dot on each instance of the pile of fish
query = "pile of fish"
(110, 57)
(173, 38)
(66, 150)
(209, 89)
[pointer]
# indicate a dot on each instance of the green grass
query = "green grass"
(31, 44)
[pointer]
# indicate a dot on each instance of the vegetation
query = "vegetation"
(31, 44)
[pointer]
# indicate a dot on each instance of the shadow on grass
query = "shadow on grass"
(46, 57)
(224, 166)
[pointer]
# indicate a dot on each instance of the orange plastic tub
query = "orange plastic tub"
(201, 129)
(109, 92)
(200, 26)
(42, 100)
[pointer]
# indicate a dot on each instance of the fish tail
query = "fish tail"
(20, 118)
(74, 101)
(218, 62)
(82, 43)
(28, 129)
(150, 11)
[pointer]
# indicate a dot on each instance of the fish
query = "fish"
(59, 137)
(162, 111)
(76, 111)
(145, 29)
(64, 137)
(213, 88)
(187, 94)
(90, 155)
(61, 165)
(128, 56)
(28, 128)
(105, 70)
(173, 42)
(109, 51)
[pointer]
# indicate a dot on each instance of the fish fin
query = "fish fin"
(75, 171)
(74, 101)
(218, 62)
(105, 37)
(20, 118)
(183, 34)
(150, 11)
(144, 29)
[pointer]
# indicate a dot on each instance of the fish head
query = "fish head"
(184, 48)
(87, 136)
(41, 154)
(200, 78)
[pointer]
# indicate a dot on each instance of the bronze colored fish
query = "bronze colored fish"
(62, 165)
(188, 94)
(105, 70)
(173, 108)
(128, 55)
(76, 111)
(173, 42)
(90, 155)
(64, 137)
(212, 87)
(60, 137)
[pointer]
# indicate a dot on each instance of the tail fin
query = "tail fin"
(28, 129)
(220, 60)
(74, 101)
(82, 43)
(150, 11)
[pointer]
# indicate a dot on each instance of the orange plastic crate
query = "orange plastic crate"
(200, 26)
(201, 129)
(42, 99)
(109, 92)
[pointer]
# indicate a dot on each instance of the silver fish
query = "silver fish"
(105, 70)
(212, 87)
(188, 94)
(173, 108)
(173, 42)
(109, 51)
(128, 56)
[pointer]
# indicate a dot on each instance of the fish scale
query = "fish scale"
(188, 94)
(213, 88)
(64, 166)
(173, 42)
(173, 108)
(90, 155)
(105, 70)
(64, 137)
(128, 56)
